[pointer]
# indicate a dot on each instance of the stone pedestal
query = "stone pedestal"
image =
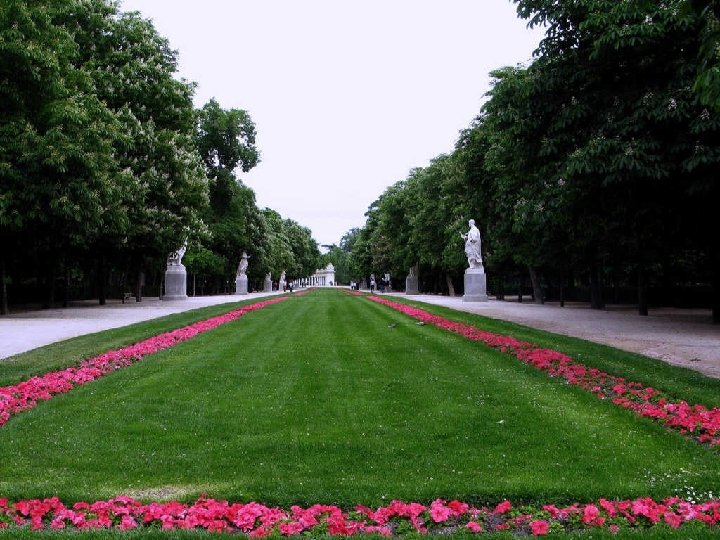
(475, 285)
(175, 283)
(411, 285)
(267, 286)
(241, 284)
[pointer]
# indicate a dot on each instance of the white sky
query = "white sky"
(347, 96)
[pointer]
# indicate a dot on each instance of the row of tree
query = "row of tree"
(105, 166)
(592, 170)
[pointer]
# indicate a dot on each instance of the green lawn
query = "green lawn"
(60, 355)
(317, 399)
(681, 383)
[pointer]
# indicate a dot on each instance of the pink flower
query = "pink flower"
(590, 514)
(289, 529)
(439, 512)
(474, 526)
(672, 519)
(539, 527)
(502, 507)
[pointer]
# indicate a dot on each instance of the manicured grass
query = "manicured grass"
(57, 356)
(317, 399)
(678, 382)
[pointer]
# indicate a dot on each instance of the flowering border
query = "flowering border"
(396, 519)
(26, 395)
(696, 421)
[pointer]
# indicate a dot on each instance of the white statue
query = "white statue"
(175, 258)
(243, 266)
(472, 246)
(281, 282)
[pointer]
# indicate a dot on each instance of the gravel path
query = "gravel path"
(680, 337)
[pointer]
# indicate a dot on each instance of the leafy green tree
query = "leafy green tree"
(707, 84)
(610, 100)
(305, 252)
(133, 68)
(62, 187)
(339, 258)
(225, 139)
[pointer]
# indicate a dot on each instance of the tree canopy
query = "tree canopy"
(589, 170)
(106, 167)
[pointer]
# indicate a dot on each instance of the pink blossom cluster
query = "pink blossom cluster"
(395, 519)
(696, 421)
(27, 394)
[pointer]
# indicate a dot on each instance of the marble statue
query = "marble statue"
(175, 276)
(243, 266)
(175, 258)
(472, 246)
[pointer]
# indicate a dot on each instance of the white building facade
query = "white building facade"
(324, 277)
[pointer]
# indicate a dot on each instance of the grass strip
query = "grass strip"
(677, 381)
(70, 352)
(26, 395)
(696, 421)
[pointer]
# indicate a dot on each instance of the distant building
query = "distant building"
(324, 277)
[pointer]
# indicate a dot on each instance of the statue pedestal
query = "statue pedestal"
(267, 285)
(475, 285)
(241, 284)
(411, 285)
(175, 283)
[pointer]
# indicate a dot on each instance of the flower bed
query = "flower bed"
(27, 394)
(693, 420)
(396, 519)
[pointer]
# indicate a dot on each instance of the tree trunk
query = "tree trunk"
(500, 288)
(451, 288)
(194, 283)
(138, 286)
(537, 289)
(66, 288)
(642, 291)
(520, 284)
(102, 278)
(562, 294)
(51, 285)
(596, 296)
(716, 290)
(3, 289)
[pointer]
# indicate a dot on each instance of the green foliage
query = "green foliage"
(226, 138)
(594, 162)
(104, 161)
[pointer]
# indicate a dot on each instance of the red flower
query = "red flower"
(502, 507)
(474, 526)
(539, 527)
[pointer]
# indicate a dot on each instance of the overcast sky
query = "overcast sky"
(347, 96)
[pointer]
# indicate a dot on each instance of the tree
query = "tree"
(225, 139)
(60, 182)
(132, 67)
(707, 83)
